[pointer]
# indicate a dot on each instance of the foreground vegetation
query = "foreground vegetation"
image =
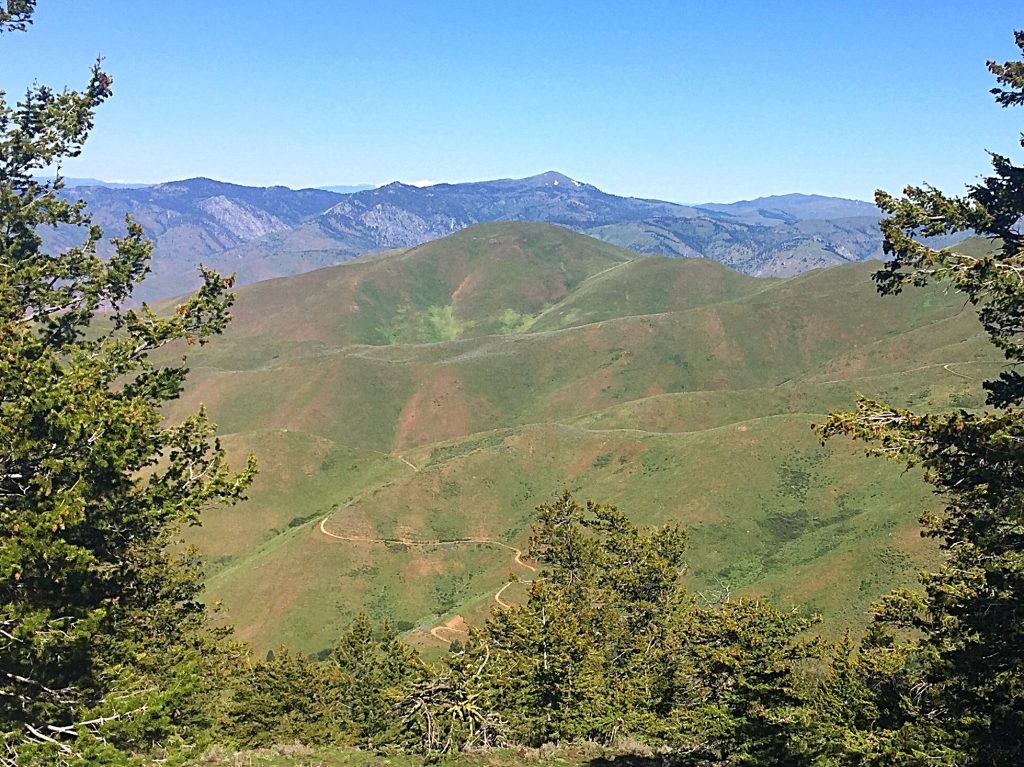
(107, 658)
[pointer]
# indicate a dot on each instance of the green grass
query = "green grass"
(523, 359)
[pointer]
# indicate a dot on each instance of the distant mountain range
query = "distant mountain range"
(72, 183)
(261, 233)
(347, 188)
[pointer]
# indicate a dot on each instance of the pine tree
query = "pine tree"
(101, 630)
(374, 667)
(454, 707)
(739, 697)
(583, 658)
(286, 698)
(962, 697)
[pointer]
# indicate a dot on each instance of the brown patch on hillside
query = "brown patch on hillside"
(919, 547)
(585, 457)
(582, 396)
(422, 565)
(821, 577)
(536, 294)
(794, 401)
(277, 592)
(407, 420)
(846, 368)
(457, 623)
(631, 449)
(655, 414)
(351, 520)
(719, 343)
(437, 411)
(468, 282)
(654, 390)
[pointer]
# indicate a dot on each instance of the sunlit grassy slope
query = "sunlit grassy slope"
(444, 391)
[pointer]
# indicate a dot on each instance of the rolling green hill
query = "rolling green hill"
(442, 392)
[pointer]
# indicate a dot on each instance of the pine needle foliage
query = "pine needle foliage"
(609, 647)
(957, 694)
(103, 650)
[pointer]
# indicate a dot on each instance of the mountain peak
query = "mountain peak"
(552, 178)
(197, 185)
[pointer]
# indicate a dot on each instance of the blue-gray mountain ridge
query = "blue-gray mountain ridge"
(260, 233)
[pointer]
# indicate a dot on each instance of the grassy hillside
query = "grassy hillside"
(475, 282)
(442, 392)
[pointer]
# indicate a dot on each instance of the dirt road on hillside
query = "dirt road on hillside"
(437, 630)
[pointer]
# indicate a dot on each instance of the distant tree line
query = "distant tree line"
(106, 656)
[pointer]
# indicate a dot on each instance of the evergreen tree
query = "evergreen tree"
(454, 707)
(960, 696)
(286, 698)
(583, 658)
(101, 630)
(374, 668)
(739, 695)
(608, 646)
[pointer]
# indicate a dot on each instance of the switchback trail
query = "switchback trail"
(948, 369)
(518, 558)
(497, 597)
(435, 632)
(411, 466)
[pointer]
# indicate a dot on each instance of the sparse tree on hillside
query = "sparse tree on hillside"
(101, 631)
(961, 695)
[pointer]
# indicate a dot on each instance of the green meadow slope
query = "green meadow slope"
(442, 392)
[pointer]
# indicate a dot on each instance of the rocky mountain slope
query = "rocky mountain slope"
(262, 233)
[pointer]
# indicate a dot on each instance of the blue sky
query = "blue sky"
(674, 100)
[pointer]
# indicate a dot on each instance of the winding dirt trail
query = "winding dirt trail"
(948, 369)
(517, 559)
(497, 597)
(436, 632)
(944, 365)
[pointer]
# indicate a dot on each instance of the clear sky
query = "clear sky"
(678, 100)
